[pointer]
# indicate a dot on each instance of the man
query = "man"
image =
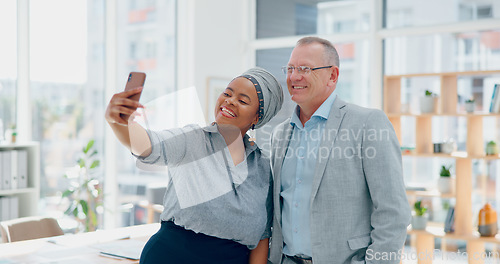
(339, 195)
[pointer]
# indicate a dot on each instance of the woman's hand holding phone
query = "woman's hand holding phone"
(121, 111)
(122, 108)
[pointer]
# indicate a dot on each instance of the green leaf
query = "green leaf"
(70, 209)
(81, 162)
(93, 219)
(75, 212)
(89, 146)
(445, 171)
(68, 192)
(419, 209)
(93, 153)
(85, 207)
(95, 164)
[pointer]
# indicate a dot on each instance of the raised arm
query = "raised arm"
(120, 114)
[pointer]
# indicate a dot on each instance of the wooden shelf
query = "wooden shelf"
(444, 115)
(453, 155)
(430, 193)
(439, 74)
(17, 191)
(437, 231)
(21, 145)
(447, 106)
(30, 196)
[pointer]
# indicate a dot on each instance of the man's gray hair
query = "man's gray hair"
(331, 53)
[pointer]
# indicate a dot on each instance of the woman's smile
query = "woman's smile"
(227, 112)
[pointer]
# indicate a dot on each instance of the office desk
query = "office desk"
(74, 249)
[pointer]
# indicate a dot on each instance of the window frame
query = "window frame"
(375, 37)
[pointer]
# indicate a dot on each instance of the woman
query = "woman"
(218, 204)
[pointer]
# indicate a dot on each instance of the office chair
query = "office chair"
(26, 228)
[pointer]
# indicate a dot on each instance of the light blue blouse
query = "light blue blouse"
(200, 194)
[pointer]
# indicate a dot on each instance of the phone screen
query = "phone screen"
(135, 79)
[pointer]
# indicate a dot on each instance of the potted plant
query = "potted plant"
(445, 181)
(470, 105)
(419, 217)
(11, 133)
(428, 102)
(491, 148)
(85, 190)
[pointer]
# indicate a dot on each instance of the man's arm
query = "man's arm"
(129, 133)
(382, 166)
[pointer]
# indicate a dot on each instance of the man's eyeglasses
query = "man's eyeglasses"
(301, 69)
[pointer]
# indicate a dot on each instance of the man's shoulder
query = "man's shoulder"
(367, 117)
(357, 110)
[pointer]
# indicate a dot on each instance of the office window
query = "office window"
(8, 64)
(279, 18)
(465, 51)
(67, 89)
(407, 13)
(146, 43)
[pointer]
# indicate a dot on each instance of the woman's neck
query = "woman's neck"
(230, 133)
(234, 141)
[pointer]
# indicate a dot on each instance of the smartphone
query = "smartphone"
(135, 79)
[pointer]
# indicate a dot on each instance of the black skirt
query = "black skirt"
(173, 244)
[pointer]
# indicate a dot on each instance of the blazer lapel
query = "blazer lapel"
(284, 139)
(333, 123)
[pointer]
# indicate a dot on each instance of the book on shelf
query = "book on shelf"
(13, 169)
(9, 207)
(5, 174)
(495, 99)
(449, 223)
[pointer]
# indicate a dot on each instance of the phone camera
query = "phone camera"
(129, 77)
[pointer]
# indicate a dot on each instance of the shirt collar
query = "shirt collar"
(323, 111)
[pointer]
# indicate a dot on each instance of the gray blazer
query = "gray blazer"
(359, 209)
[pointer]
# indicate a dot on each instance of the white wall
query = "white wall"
(212, 41)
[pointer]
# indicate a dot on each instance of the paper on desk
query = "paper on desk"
(128, 248)
(86, 238)
(68, 261)
(65, 253)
